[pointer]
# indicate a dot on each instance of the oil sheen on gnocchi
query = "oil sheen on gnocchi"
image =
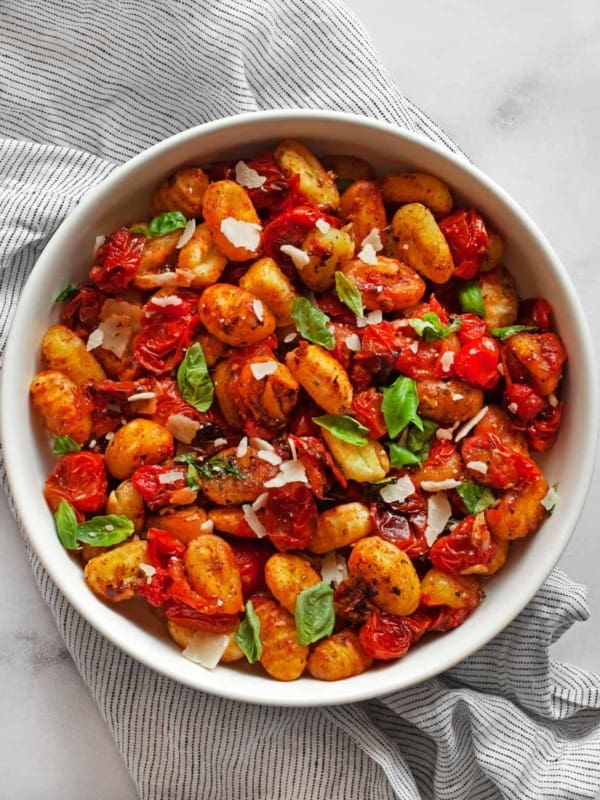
(295, 409)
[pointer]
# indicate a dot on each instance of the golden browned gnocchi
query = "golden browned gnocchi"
(302, 432)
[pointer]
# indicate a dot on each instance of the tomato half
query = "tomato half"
(251, 557)
(80, 478)
(404, 526)
(462, 549)
(477, 362)
(386, 637)
(82, 312)
(468, 239)
(536, 311)
(117, 261)
(159, 484)
(290, 516)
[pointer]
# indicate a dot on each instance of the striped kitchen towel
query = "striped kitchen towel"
(86, 85)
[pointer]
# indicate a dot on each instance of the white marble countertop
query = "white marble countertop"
(517, 87)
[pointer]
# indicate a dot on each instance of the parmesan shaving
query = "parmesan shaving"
(260, 502)
(170, 477)
(513, 408)
(550, 499)
(456, 396)
(372, 318)
(269, 457)
(440, 486)
(98, 242)
(148, 571)
(368, 255)
(299, 257)
(293, 451)
(322, 225)
(141, 396)
(553, 400)
(373, 239)
(248, 177)
(95, 339)
(242, 447)
(164, 300)
(186, 234)
(446, 434)
(261, 444)
(438, 514)
(207, 526)
(447, 360)
(220, 442)
(253, 521)
(116, 332)
(289, 472)
(398, 491)
(464, 429)
(259, 310)
(414, 347)
(261, 369)
(290, 337)
(333, 568)
(206, 648)
(478, 466)
(182, 428)
(353, 342)
(240, 233)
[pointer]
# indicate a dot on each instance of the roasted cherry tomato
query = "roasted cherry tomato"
(82, 312)
(160, 484)
(538, 312)
(467, 238)
(117, 261)
(182, 592)
(385, 637)
(523, 402)
(290, 516)
(251, 558)
(477, 363)
(162, 546)
(366, 409)
(79, 478)
(402, 524)
(291, 227)
(166, 332)
(469, 544)
(189, 617)
(505, 467)
(472, 328)
(542, 431)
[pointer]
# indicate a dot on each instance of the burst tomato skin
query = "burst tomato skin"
(523, 402)
(117, 261)
(472, 328)
(166, 331)
(156, 494)
(457, 551)
(477, 363)
(404, 527)
(537, 311)
(82, 312)
(366, 409)
(387, 637)
(290, 516)
(80, 478)
(291, 227)
(251, 557)
(189, 617)
(467, 238)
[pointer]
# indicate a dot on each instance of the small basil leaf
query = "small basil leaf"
(167, 222)
(344, 428)
(399, 405)
(64, 444)
(105, 531)
(194, 380)
(430, 327)
(311, 323)
(402, 457)
(192, 476)
(475, 497)
(349, 295)
(66, 525)
(217, 466)
(511, 330)
(471, 299)
(247, 637)
(142, 228)
(315, 615)
(418, 439)
(66, 293)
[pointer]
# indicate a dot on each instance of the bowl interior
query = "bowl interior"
(123, 197)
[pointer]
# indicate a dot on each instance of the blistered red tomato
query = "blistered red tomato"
(117, 261)
(290, 516)
(468, 239)
(477, 362)
(80, 478)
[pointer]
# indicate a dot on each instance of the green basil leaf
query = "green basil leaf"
(66, 293)
(315, 615)
(167, 222)
(418, 439)
(217, 466)
(400, 404)
(475, 497)
(66, 525)
(247, 637)
(510, 330)
(471, 299)
(311, 323)
(430, 327)
(349, 295)
(192, 476)
(105, 531)
(344, 428)
(343, 183)
(402, 457)
(193, 379)
(64, 444)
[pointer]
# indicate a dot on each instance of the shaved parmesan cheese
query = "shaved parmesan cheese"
(550, 499)
(253, 521)
(165, 300)
(248, 177)
(206, 648)
(446, 434)
(447, 360)
(438, 514)
(500, 368)
(95, 339)
(478, 466)
(148, 571)
(269, 456)
(220, 442)
(170, 477)
(290, 337)
(186, 234)
(440, 486)
(260, 502)
(242, 447)
(553, 400)
(398, 491)
(333, 568)
(261, 444)
(116, 331)
(464, 429)
(182, 428)
(373, 238)
(141, 396)
(368, 255)
(372, 318)
(98, 242)
(414, 347)
(457, 396)
(289, 472)
(293, 451)
(322, 225)
(207, 526)
(259, 310)
(261, 369)
(240, 233)
(299, 257)
(353, 342)
(109, 436)
(513, 408)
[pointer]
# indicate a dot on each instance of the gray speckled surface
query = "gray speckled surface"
(517, 86)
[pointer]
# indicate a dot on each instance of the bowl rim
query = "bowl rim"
(344, 691)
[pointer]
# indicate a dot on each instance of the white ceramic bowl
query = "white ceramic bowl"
(124, 195)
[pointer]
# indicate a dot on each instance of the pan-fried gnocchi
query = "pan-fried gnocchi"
(295, 411)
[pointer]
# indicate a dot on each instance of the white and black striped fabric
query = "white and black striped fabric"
(86, 85)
